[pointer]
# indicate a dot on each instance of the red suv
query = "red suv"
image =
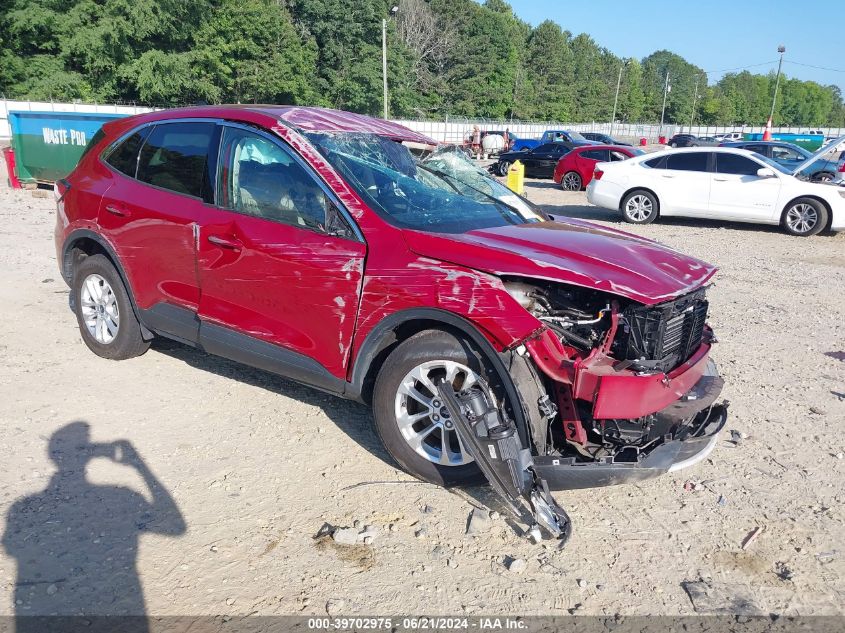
(488, 337)
(575, 170)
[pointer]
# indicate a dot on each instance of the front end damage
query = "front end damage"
(613, 391)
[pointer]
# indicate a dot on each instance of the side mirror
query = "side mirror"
(766, 172)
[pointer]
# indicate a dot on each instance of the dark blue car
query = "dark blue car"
(790, 156)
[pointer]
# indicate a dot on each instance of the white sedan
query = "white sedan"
(718, 183)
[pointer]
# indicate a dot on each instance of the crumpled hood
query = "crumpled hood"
(574, 252)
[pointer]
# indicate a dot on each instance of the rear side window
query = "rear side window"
(760, 149)
(596, 154)
(95, 140)
(656, 163)
(175, 157)
(687, 161)
(734, 164)
(124, 157)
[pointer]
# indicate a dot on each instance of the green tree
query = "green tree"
(548, 89)
(249, 51)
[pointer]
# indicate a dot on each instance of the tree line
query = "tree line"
(446, 58)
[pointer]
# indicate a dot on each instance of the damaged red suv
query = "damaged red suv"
(353, 255)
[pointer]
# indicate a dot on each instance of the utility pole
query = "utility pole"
(666, 90)
(393, 11)
(694, 101)
(781, 50)
(616, 98)
(384, 63)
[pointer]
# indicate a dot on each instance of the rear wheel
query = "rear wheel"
(571, 181)
(411, 419)
(504, 167)
(640, 207)
(104, 311)
(804, 217)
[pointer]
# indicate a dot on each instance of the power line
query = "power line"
(833, 70)
(726, 70)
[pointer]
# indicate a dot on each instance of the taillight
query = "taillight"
(597, 174)
(842, 166)
(60, 188)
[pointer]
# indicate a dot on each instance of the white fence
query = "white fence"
(450, 130)
(456, 130)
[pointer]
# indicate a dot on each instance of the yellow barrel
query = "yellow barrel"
(516, 177)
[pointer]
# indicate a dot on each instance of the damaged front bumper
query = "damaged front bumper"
(687, 447)
(672, 455)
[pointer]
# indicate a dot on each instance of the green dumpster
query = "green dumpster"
(48, 144)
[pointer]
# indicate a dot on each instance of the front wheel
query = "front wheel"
(804, 217)
(504, 167)
(640, 207)
(823, 177)
(410, 418)
(571, 181)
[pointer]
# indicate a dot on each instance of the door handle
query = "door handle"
(118, 211)
(720, 179)
(225, 242)
(667, 175)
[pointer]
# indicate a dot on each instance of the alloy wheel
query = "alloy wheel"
(422, 417)
(802, 218)
(571, 181)
(99, 309)
(639, 208)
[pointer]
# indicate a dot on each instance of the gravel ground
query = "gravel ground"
(235, 470)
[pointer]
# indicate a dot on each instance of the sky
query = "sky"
(712, 34)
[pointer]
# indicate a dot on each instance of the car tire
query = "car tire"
(673, 145)
(824, 176)
(429, 353)
(640, 207)
(504, 167)
(104, 311)
(804, 217)
(571, 181)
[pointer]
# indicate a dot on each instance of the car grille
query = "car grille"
(664, 336)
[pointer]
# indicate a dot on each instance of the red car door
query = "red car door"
(149, 213)
(587, 161)
(280, 266)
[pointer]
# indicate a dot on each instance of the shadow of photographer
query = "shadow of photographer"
(76, 543)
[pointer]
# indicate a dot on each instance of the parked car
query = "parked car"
(311, 243)
(604, 139)
(683, 140)
(575, 170)
(567, 137)
(728, 137)
(718, 183)
(811, 141)
(706, 141)
(791, 156)
(539, 162)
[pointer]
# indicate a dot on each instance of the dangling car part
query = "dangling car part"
(493, 442)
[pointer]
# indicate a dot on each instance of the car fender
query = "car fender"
(384, 335)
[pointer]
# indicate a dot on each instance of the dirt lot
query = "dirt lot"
(255, 465)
